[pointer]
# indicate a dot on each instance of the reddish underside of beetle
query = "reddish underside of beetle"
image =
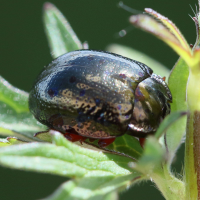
(74, 138)
(102, 142)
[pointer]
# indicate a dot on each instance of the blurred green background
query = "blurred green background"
(24, 52)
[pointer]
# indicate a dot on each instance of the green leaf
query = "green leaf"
(4, 131)
(14, 140)
(127, 145)
(167, 122)
(15, 118)
(164, 29)
(152, 157)
(44, 136)
(177, 84)
(170, 27)
(157, 67)
(112, 196)
(64, 158)
(13, 97)
(94, 188)
(61, 36)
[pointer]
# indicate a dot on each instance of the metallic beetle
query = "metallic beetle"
(99, 95)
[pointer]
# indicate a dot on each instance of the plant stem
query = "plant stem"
(192, 144)
(196, 148)
(192, 154)
(171, 187)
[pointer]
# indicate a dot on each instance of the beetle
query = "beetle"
(99, 95)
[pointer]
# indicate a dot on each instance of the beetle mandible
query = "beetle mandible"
(99, 95)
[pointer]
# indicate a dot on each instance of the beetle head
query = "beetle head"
(151, 105)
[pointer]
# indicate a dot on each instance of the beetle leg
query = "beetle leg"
(74, 137)
(105, 142)
(82, 140)
(142, 141)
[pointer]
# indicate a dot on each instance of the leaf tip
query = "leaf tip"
(148, 10)
(48, 6)
(134, 19)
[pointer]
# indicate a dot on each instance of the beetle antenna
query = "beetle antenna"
(123, 32)
(129, 9)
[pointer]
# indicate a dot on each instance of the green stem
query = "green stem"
(171, 187)
(192, 156)
(192, 144)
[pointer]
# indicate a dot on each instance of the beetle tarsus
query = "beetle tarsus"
(105, 142)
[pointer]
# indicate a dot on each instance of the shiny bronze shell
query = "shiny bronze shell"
(99, 95)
